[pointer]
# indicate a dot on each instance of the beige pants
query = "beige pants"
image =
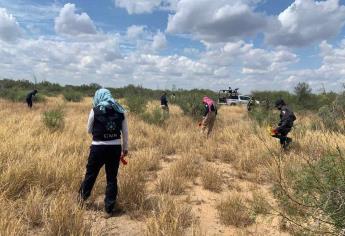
(208, 123)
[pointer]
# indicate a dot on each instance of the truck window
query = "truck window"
(244, 98)
(233, 97)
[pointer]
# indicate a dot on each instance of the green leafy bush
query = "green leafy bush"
(72, 96)
(191, 104)
(54, 119)
(264, 116)
(328, 118)
(17, 95)
(156, 117)
(315, 191)
(136, 104)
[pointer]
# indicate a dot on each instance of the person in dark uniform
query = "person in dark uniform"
(164, 102)
(250, 104)
(29, 97)
(108, 125)
(287, 118)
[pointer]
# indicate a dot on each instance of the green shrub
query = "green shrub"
(156, 117)
(136, 104)
(264, 116)
(17, 95)
(233, 211)
(191, 104)
(54, 119)
(328, 118)
(72, 96)
(315, 189)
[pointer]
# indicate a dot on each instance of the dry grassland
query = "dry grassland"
(176, 182)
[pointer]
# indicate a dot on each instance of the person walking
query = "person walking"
(209, 116)
(164, 102)
(287, 118)
(29, 97)
(108, 124)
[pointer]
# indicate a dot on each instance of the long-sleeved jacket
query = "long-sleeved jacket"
(30, 95)
(287, 117)
(207, 110)
(164, 100)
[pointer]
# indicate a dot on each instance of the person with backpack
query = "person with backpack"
(108, 125)
(30, 96)
(287, 118)
(209, 116)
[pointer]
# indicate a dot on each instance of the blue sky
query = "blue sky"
(251, 44)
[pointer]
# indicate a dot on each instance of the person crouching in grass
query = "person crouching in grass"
(108, 124)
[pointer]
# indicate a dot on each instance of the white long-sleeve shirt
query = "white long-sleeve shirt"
(124, 133)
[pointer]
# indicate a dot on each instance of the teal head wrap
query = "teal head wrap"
(104, 99)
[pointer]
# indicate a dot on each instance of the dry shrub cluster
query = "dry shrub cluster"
(169, 217)
(233, 211)
(259, 203)
(211, 178)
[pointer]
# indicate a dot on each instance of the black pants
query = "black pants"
(283, 138)
(108, 155)
(29, 102)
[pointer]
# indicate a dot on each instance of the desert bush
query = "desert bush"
(187, 167)
(264, 116)
(267, 98)
(65, 217)
(233, 211)
(72, 96)
(136, 104)
(171, 183)
(17, 95)
(211, 178)
(157, 116)
(329, 118)
(315, 191)
(54, 118)
(191, 104)
(305, 98)
(259, 204)
(169, 218)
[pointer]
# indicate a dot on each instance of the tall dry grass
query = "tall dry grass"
(41, 170)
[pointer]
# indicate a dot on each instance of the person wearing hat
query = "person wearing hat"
(287, 118)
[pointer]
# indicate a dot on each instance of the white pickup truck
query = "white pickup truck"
(235, 100)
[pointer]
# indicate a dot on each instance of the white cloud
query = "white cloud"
(100, 58)
(71, 23)
(138, 6)
(146, 6)
(159, 41)
(9, 27)
(134, 31)
(216, 20)
(308, 21)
